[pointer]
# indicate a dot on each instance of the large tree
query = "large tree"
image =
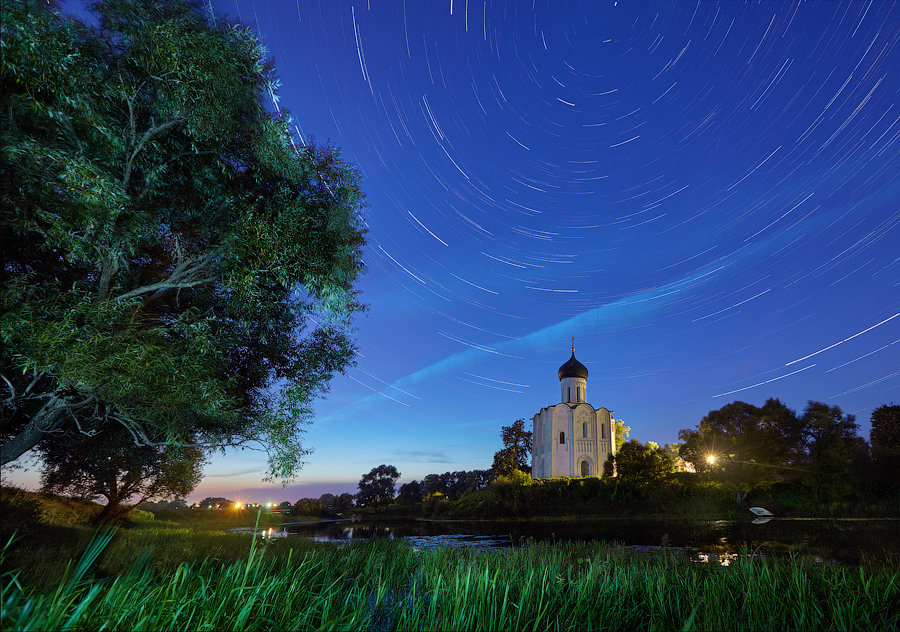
(172, 263)
(749, 442)
(640, 465)
(516, 452)
(884, 439)
(377, 487)
(109, 465)
(836, 453)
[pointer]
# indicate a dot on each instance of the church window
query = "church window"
(603, 431)
(585, 469)
(578, 393)
(569, 394)
(584, 429)
(562, 438)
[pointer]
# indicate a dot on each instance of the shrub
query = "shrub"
(66, 512)
(516, 477)
(20, 512)
(141, 515)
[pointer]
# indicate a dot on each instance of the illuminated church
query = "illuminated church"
(572, 438)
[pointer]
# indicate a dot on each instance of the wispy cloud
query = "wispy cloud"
(422, 456)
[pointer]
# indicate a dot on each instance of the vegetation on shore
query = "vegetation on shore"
(680, 495)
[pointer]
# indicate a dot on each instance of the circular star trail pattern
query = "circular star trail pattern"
(705, 195)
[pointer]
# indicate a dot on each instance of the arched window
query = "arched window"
(584, 429)
(585, 469)
(603, 431)
(569, 394)
(562, 438)
(577, 393)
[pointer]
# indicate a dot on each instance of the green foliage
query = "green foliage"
(516, 452)
(622, 433)
(386, 585)
(20, 512)
(411, 492)
(516, 478)
(140, 515)
(640, 465)
(377, 487)
(216, 502)
(306, 507)
(748, 443)
(455, 484)
(885, 441)
(835, 451)
(172, 262)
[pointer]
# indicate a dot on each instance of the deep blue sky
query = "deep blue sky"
(706, 195)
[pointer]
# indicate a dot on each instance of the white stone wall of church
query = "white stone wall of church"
(554, 460)
(573, 390)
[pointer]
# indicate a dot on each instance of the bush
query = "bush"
(20, 511)
(140, 515)
(516, 477)
(66, 512)
(434, 504)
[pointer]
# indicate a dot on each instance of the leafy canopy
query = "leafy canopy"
(639, 464)
(377, 487)
(173, 263)
(516, 452)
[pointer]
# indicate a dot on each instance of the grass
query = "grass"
(53, 528)
(386, 585)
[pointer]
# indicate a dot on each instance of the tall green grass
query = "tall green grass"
(386, 585)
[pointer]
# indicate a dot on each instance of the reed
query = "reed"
(386, 585)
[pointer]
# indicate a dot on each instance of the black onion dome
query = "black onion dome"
(573, 368)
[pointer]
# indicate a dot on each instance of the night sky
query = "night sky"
(705, 195)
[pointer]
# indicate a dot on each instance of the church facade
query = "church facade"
(571, 438)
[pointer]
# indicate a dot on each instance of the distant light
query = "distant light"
(237, 505)
(711, 459)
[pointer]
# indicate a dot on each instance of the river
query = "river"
(846, 541)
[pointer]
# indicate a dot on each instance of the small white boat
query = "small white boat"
(763, 513)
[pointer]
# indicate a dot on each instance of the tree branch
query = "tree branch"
(185, 275)
(150, 133)
(46, 420)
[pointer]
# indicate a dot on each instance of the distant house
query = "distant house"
(572, 438)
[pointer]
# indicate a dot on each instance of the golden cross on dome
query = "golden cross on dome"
(573, 345)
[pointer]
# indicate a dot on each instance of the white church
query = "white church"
(572, 438)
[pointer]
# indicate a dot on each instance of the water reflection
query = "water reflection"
(717, 541)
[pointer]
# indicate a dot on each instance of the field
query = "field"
(183, 573)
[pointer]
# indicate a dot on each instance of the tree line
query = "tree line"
(739, 448)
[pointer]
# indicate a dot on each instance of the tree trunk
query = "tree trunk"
(112, 511)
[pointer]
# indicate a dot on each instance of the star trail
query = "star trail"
(705, 195)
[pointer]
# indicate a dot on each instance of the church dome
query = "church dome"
(573, 368)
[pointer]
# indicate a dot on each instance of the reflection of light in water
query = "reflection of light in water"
(723, 559)
(270, 533)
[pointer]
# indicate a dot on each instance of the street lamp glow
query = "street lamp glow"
(711, 459)
(237, 505)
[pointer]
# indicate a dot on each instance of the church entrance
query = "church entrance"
(585, 469)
